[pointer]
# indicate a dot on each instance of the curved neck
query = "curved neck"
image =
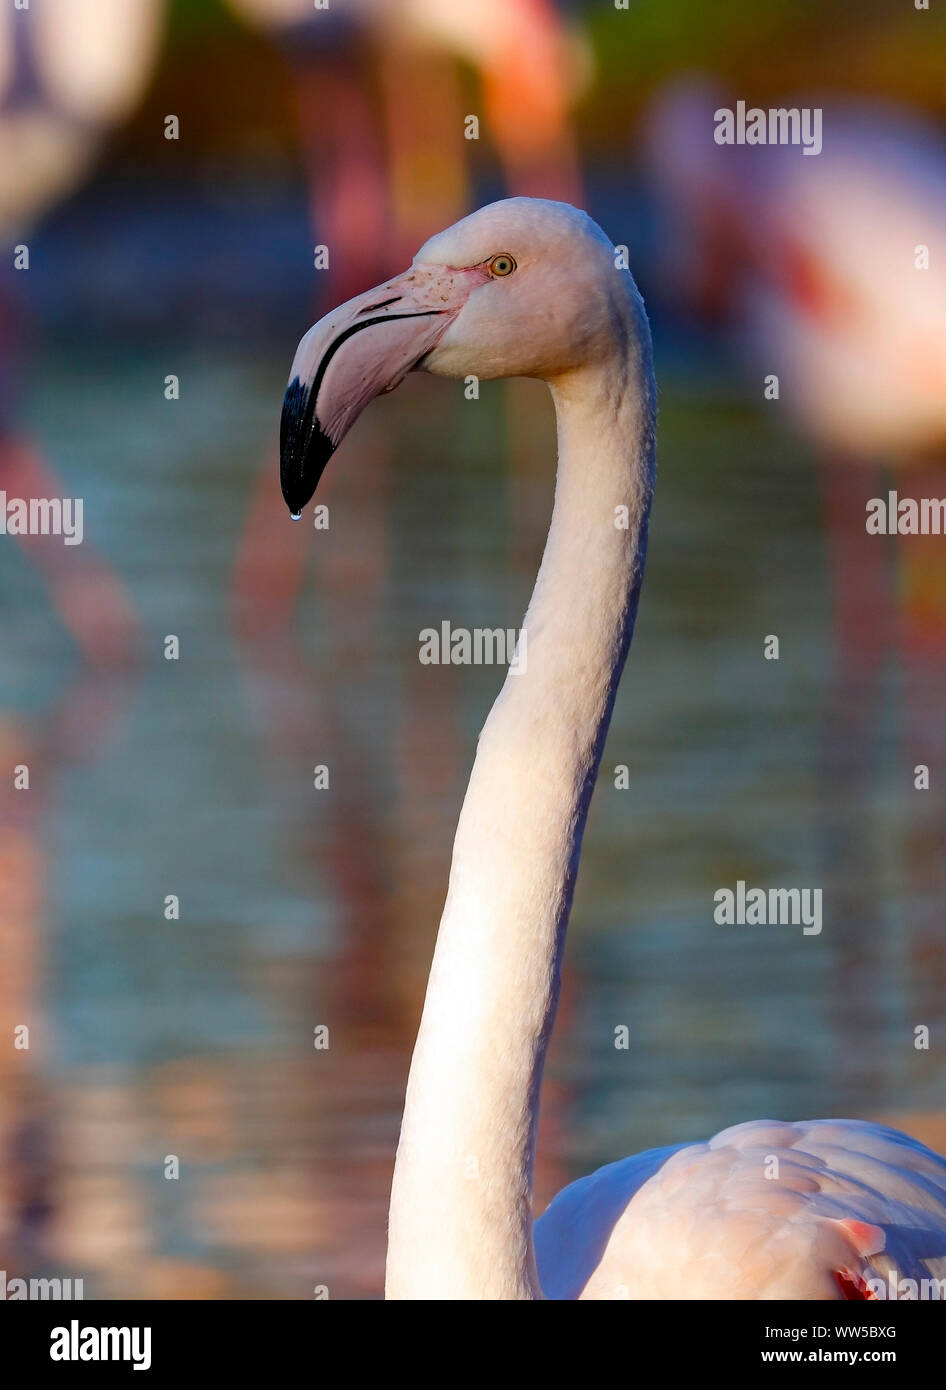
(461, 1205)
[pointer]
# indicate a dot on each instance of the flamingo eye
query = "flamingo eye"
(503, 264)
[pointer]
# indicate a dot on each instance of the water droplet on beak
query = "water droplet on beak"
(295, 516)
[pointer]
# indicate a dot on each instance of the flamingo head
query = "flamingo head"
(523, 287)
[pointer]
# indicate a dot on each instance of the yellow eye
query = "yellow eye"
(503, 264)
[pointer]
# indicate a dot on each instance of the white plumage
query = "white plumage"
(532, 288)
(762, 1211)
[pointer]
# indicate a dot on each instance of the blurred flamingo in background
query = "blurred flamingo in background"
(381, 124)
(381, 121)
(381, 110)
(811, 264)
(378, 177)
(68, 74)
(376, 187)
(812, 260)
(378, 184)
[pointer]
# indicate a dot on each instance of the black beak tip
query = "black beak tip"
(304, 448)
(294, 489)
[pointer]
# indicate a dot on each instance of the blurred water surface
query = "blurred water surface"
(302, 907)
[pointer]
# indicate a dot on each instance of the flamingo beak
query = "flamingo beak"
(353, 354)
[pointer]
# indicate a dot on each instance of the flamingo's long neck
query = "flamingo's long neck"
(461, 1205)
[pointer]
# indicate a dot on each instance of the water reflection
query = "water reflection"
(194, 1037)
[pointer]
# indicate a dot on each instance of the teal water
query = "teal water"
(302, 907)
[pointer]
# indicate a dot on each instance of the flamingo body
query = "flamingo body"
(763, 1210)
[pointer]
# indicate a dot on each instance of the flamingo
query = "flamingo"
(810, 265)
(813, 1210)
(68, 75)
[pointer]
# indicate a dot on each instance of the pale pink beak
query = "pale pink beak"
(353, 354)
